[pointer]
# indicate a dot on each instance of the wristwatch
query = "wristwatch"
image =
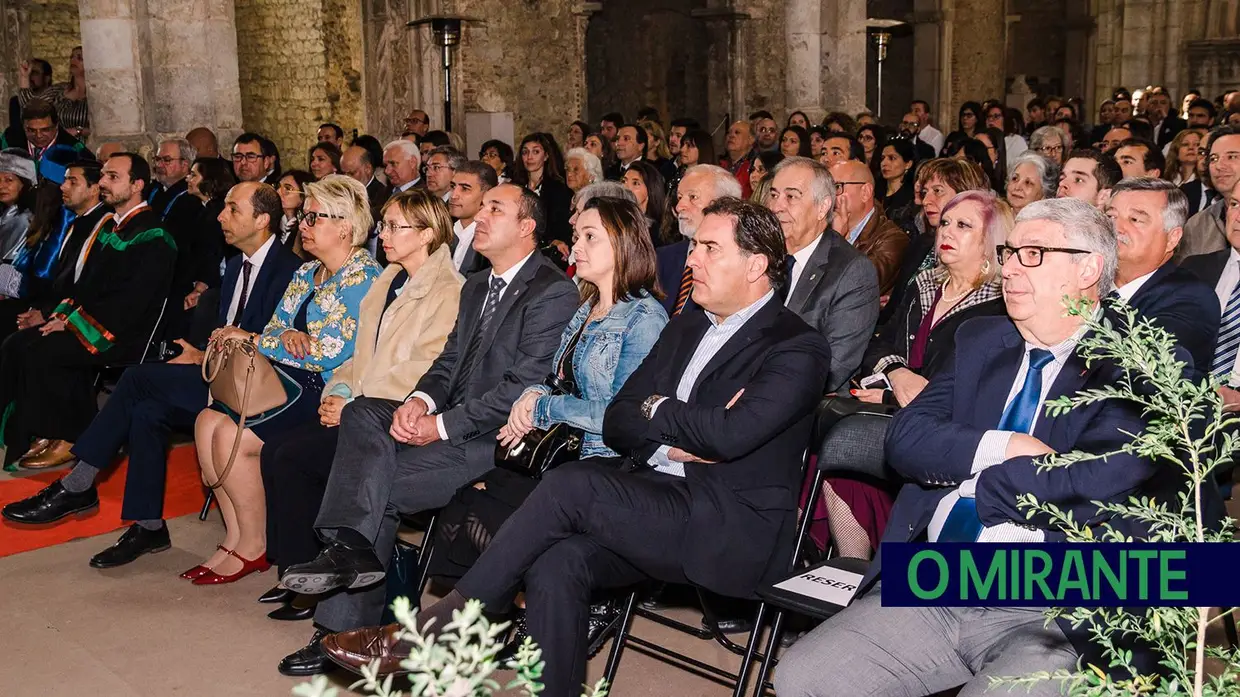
(648, 405)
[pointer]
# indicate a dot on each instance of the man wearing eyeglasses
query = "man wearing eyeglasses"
(253, 160)
(180, 212)
(865, 225)
(417, 122)
(1205, 232)
(987, 405)
(910, 126)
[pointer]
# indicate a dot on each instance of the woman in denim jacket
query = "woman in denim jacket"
(617, 324)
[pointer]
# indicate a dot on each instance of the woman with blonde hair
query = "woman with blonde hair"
(920, 337)
(402, 327)
(657, 152)
(310, 336)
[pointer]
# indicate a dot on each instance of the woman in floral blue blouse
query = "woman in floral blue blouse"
(310, 335)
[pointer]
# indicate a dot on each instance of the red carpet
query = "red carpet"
(183, 496)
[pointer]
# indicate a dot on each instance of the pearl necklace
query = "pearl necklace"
(954, 298)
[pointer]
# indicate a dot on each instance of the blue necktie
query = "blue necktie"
(1228, 343)
(963, 524)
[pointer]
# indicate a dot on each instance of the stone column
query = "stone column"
(160, 68)
(978, 63)
(826, 56)
(14, 46)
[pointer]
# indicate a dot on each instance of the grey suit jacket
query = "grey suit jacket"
(1203, 233)
(837, 294)
(515, 353)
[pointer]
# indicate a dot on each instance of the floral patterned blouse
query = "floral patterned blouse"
(331, 317)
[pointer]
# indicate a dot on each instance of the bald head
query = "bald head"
(854, 197)
(204, 142)
(108, 149)
(355, 163)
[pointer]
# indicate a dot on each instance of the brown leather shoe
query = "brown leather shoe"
(37, 447)
(356, 648)
(55, 455)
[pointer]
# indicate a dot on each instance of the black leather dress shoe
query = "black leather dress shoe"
(51, 504)
(135, 542)
(337, 566)
(732, 625)
(277, 595)
(291, 613)
(308, 660)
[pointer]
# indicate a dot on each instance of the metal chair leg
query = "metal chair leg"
(206, 505)
(755, 637)
(617, 645)
(424, 562)
(768, 656)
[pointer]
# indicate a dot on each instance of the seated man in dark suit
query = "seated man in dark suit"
(967, 442)
(151, 399)
(701, 186)
(1149, 216)
(833, 286)
(712, 426)
(397, 458)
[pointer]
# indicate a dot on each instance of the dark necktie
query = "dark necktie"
(245, 292)
(686, 287)
(789, 262)
(963, 524)
(475, 341)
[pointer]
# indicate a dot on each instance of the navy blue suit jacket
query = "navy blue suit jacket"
(265, 291)
(1184, 306)
(932, 441)
(671, 268)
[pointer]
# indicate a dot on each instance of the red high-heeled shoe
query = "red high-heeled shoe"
(248, 566)
(200, 570)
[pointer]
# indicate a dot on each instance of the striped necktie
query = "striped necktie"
(1228, 336)
(686, 287)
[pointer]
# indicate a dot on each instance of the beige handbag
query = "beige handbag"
(243, 380)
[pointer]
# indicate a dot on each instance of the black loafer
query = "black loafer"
(308, 660)
(277, 595)
(291, 613)
(337, 566)
(604, 620)
(51, 504)
(732, 625)
(135, 542)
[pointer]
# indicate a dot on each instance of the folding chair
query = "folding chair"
(829, 411)
(413, 584)
(852, 446)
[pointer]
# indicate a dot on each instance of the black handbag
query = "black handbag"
(542, 450)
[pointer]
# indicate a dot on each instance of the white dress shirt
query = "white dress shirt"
(933, 137)
(464, 240)
(802, 258)
(508, 277)
(992, 449)
(408, 185)
(714, 339)
(1130, 288)
(256, 262)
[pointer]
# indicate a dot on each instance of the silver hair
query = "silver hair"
(186, 151)
(1038, 138)
(594, 166)
(1174, 213)
(725, 183)
(823, 187)
(344, 196)
(454, 156)
(601, 189)
(407, 148)
(1048, 170)
(1084, 227)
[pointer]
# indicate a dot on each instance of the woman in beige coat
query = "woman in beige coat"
(403, 325)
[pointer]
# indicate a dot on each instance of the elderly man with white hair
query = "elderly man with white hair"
(698, 188)
(402, 163)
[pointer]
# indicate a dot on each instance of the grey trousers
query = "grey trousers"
(373, 479)
(912, 651)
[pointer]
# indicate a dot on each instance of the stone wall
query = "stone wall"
(299, 63)
(977, 56)
(525, 59)
(54, 31)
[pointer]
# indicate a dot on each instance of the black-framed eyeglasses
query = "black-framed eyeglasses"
(839, 184)
(1030, 256)
(393, 228)
(312, 217)
(247, 156)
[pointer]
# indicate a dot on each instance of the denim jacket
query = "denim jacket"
(609, 350)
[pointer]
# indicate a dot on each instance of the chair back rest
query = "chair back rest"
(852, 443)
